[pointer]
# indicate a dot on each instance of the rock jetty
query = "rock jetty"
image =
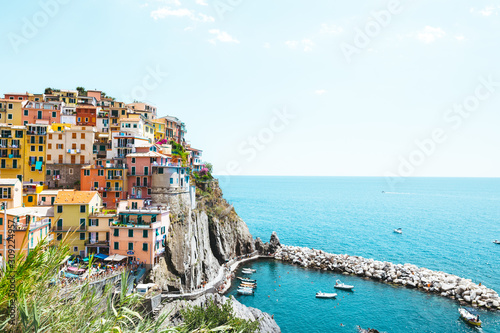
(411, 276)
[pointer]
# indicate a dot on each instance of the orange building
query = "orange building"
(86, 115)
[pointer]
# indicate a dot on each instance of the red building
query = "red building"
(41, 113)
(108, 179)
(86, 115)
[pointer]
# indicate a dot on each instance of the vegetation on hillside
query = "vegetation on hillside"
(31, 300)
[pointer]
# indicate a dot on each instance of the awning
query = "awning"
(101, 256)
(115, 257)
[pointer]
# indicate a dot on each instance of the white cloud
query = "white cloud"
(221, 36)
(486, 11)
(305, 44)
(332, 29)
(202, 2)
(164, 12)
(430, 34)
(320, 92)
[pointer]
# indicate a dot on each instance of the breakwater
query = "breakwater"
(408, 275)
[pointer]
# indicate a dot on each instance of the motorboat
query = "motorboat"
(325, 295)
(248, 285)
(249, 269)
(398, 231)
(496, 241)
(245, 291)
(470, 316)
(340, 285)
(247, 280)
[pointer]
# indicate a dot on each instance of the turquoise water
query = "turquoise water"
(448, 225)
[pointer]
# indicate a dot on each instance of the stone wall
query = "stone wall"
(66, 179)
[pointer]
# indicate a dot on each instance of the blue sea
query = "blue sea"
(448, 225)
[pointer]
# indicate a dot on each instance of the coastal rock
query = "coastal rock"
(274, 243)
(174, 318)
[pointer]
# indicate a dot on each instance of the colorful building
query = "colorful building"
(11, 192)
(109, 179)
(140, 232)
(41, 113)
(98, 230)
(35, 155)
(10, 111)
(86, 115)
(12, 151)
(72, 210)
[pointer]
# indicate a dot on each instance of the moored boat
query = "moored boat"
(325, 295)
(340, 285)
(248, 285)
(496, 241)
(249, 269)
(247, 280)
(470, 316)
(245, 291)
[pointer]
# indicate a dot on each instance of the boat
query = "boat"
(343, 286)
(245, 291)
(247, 272)
(249, 285)
(496, 241)
(470, 316)
(247, 280)
(249, 269)
(325, 295)
(398, 231)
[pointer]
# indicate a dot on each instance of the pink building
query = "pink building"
(140, 232)
(41, 113)
(140, 165)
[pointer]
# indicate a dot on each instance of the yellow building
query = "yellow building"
(159, 127)
(31, 193)
(98, 229)
(71, 216)
(35, 155)
(12, 146)
(11, 111)
(69, 97)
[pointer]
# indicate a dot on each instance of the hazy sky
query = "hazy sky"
(283, 87)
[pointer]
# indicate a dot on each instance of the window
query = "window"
(83, 135)
(82, 146)
(26, 112)
(82, 236)
(40, 148)
(133, 168)
(49, 158)
(32, 148)
(133, 160)
(82, 224)
(40, 140)
(60, 136)
(59, 236)
(145, 233)
(131, 233)
(30, 198)
(1, 220)
(73, 135)
(9, 116)
(86, 172)
(116, 245)
(145, 247)
(82, 209)
(130, 246)
(59, 146)
(171, 180)
(116, 232)
(117, 194)
(49, 146)
(75, 249)
(70, 170)
(79, 119)
(59, 209)
(54, 114)
(10, 106)
(100, 172)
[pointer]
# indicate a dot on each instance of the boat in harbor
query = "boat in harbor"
(244, 271)
(340, 285)
(247, 280)
(249, 286)
(398, 231)
(470, 316)
(249, 269)
(325, 295)
(247, 292)
(496, 241)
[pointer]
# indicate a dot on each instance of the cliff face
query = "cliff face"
(200, 240)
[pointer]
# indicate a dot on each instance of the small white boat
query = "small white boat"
(249, 286)
(470, 316)
(496, 241)
(343, 286)
(245, 291)
(398, 231)
(247, 280)
(325, 295)
(249, 269)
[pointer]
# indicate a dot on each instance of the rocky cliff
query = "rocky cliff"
(200, 240)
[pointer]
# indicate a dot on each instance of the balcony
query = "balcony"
(9, 166)
(6, 135)
(13, 146)
(74, 151)
(96, 243)
(36, 132)
(115, 177)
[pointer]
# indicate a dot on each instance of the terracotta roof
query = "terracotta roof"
(74, 197)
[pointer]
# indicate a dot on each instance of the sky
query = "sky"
(283, 87)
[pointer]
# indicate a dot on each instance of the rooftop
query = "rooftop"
(41, 211)
(9, 181)
(74, 197)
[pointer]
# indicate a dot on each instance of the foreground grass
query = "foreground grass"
(38, 304)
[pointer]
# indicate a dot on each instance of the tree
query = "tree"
(81, 91)
(49, 91)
